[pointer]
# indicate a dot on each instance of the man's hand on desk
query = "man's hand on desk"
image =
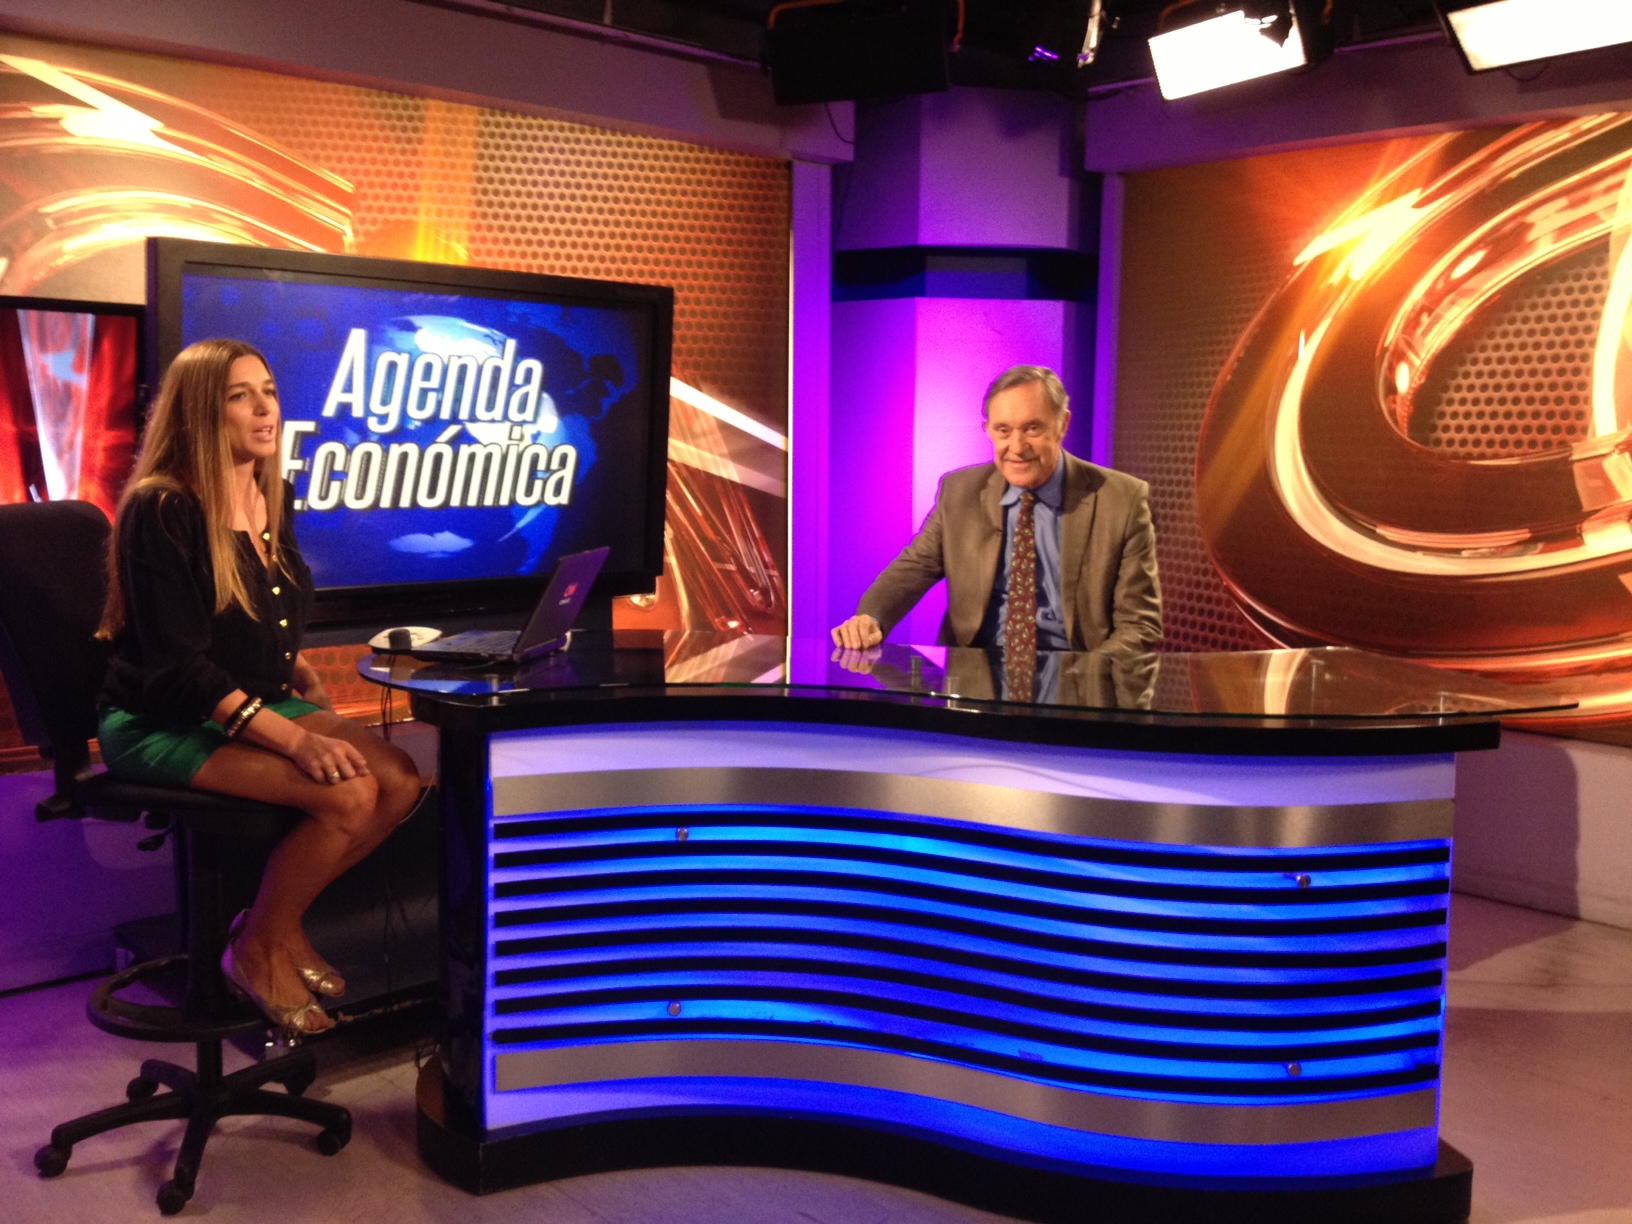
(859, 661)
(858, 633)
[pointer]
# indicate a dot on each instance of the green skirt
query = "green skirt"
(142, 749)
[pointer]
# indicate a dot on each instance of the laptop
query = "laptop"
(546, 629)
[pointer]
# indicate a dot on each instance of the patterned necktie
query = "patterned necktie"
(1020, 620)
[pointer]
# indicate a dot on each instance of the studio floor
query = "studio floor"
(1538, 1093)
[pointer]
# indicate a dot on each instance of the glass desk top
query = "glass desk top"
(1324, 683)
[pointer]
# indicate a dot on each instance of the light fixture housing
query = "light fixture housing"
(1495, 33)
(1094, 32)
(1251, 38)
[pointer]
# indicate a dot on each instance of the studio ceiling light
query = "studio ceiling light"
(1251, 40)
(1091, 37)
(1495, 33)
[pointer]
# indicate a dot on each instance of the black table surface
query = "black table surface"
(1293, 702)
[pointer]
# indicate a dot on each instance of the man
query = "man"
(1083, 532)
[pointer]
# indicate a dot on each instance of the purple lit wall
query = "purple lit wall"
(958, 345)
(872, 432)
(68, 882)
(971, 193)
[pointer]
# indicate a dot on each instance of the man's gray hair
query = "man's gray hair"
(1019, 376)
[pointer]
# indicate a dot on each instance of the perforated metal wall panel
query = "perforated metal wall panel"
(1182, 310)
(437, 180)
(1521, 381)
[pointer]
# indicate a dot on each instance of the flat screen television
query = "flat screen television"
(70, 384)
(450, 432)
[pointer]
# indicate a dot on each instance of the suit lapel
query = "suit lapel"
(973, 547)
(989, 554)
(1076, 525)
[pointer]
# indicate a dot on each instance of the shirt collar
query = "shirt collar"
(1052, 493)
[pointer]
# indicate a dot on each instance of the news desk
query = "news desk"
(1167, 941)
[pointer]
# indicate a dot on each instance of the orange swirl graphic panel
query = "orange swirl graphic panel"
(1421, 442)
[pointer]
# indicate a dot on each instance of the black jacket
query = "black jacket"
(175, 658)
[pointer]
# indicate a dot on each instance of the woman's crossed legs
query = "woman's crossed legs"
(345, 821)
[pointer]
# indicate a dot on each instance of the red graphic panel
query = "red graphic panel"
(67, 405)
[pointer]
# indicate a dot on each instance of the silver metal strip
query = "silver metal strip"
(1174, 824)
(1072, 1109)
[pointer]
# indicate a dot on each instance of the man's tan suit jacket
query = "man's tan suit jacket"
(1107, 558)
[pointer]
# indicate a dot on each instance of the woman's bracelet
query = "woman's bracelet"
(241, 716)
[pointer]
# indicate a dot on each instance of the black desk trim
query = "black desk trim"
(1442, 1194)
(1072, 728)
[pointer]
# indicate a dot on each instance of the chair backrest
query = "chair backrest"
(52, 586)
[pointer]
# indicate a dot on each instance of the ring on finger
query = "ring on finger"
(334, 775)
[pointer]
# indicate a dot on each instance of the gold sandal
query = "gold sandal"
(324, 979)
(291, 1022)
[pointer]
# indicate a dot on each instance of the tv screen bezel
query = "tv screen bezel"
(133, 310)
(170, 260)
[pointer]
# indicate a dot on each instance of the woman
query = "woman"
(207, 599)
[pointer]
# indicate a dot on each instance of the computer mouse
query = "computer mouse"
(404, 637)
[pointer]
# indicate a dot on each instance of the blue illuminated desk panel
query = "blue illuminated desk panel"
(1170, 937)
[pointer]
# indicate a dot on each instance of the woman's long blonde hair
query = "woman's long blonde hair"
(185, 449)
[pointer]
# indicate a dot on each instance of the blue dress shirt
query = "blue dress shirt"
(1045, 517)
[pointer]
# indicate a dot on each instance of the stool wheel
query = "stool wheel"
(332, 1139)
(173, 1197)
(140, 1089)
(51, 1160)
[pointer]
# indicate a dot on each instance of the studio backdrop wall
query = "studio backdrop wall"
(104, 148)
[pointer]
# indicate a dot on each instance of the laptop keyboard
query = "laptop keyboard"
(481, 641)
